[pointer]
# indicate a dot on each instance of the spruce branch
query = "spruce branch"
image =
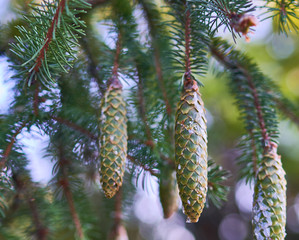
(254, 152)
(233, 14)
(152, 17)
(142, 109)
(228, 56)
(9, 147)
(118, 231)
(187, 44)
(41, 230)
(255, 103)
(284, 14)
(144, 167)
(75, 127)
(287, 108)
(93, 65)
(49, 45)
(258, 106)
(189, 40)
(217, 190)
(24, 187)
(49, 35)
(36, 99)
(64, 182)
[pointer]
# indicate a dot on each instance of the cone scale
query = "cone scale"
(113, 149)
(191, 151)
(269, 207)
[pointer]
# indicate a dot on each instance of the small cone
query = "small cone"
(113, 141)
(269, 207)
(168, 193)
(191, 152)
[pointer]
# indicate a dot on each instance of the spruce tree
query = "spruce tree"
(133, 106)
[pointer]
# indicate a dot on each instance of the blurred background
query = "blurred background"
(278, 57)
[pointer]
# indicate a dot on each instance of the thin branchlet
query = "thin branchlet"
(74, 126)
(10, 145)
(49, 35)
(64, 182)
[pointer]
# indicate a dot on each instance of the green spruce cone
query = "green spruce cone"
(269, 207)
(191, 152)
(113, 150)
(168, 190)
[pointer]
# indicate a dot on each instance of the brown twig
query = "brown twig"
(23, 187)
(142, 110)
(118, 231)
(92, 68)
(114, 80)
(96, 3)
(226, 61)
(117, 55)
(187, 45)
(10, 145)
(36, 99)
(49, 35)
(254, 153)
(145, 168)
(75, 127)
(257, 106)
(286, 111)
(42, 231)
(157, 58)
(64, 182)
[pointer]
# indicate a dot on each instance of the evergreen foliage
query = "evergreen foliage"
(131, 107)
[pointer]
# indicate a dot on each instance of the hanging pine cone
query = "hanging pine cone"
(168, 192)
(191, 151)
(113, 140)
(269, 207)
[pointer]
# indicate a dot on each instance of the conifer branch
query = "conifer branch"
(157, 57)
(142, 110)
(10, 145)
(64, 182)
(118, 231)
(145, 168)
(42, 231)
(220, 56)
(254, 153)
(49, 35)
(75, 127)
(114, 80)
(234, 15)
(23, 188)
(117, 55)
(187, 44)
(92, 68)
(284, 108)
(50, 43)
(257, 106)
(284, 13)
(36, 99)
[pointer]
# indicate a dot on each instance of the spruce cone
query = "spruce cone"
(191, 152)
(168, 193)
(113, 141)
(269, 207)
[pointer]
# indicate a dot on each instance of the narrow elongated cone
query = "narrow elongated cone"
(269, 207)
(191, 152)
(169, 193)
(113, 141)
